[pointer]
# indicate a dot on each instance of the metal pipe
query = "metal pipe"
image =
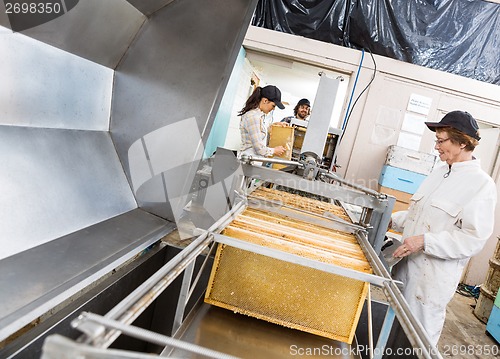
(136, 302)
(296, 259)
(56, 346)
(152, 337)
(397, 301)
(134, 308)
(373, 258)
(248, 159)
(416, 334)
(355, 186)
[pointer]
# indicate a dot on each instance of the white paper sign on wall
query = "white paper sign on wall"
(419, 104)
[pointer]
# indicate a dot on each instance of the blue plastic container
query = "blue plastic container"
(493, 326)
(400, 179)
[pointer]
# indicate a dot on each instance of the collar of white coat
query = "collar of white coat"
(459, 166)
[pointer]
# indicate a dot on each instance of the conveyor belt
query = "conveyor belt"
(236, 334)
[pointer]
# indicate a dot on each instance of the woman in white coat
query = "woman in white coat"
(450, 219)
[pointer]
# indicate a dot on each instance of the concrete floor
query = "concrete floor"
(464, 336)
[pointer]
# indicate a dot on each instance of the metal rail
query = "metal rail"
(248, 159)
(136, 302)
(324, 189)
(149, 336)
(296, 259)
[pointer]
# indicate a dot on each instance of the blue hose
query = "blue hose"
(353, 89)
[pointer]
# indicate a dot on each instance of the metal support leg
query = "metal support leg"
(183, 297)
(385, 331)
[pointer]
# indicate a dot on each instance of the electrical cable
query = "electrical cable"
(353, 89)
(350, 109)
(348, 115)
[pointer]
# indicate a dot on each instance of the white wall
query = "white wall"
(296, 80)
(233, 137)
(377, 118)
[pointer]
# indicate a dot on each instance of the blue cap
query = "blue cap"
(459, 120)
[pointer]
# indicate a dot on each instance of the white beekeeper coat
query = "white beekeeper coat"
(455, 212)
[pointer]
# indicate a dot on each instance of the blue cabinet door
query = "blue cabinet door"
(493, 326)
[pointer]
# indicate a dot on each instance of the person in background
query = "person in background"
(252, 127)
(301, 111)
(450, 218)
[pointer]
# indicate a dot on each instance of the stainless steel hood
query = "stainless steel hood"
(82, 93)
(97, 30)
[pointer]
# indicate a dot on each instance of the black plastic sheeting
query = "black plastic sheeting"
(456, 36)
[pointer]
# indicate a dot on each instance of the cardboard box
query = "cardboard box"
(402, 198)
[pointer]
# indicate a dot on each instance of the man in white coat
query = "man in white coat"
(450, 218)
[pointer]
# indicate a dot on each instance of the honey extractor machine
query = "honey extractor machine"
(287, 270)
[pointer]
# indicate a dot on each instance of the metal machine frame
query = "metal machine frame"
(101, 331)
